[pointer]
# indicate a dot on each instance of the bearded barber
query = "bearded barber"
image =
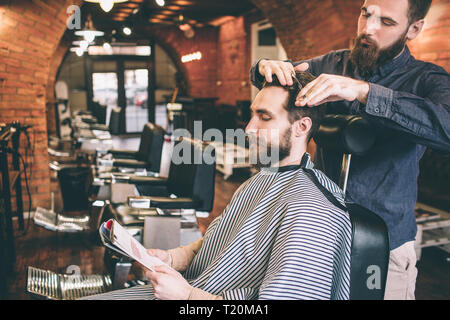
(407, 101)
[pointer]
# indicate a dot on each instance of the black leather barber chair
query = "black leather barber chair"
(351, 134)
(114, 121)
(75, 183)
(149, 154)
(99, 111)
(192, 182)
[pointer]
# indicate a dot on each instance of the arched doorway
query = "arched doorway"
(139, 83)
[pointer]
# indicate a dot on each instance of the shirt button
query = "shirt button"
(377, 110)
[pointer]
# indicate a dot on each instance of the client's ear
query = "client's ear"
(302, 127)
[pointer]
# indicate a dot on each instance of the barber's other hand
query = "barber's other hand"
(328, 88)
(162, 255)
(283, 70)
(168, 284)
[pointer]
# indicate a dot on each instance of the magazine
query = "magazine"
(117, 238)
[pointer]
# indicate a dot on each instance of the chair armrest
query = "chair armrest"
(163, 202)
(120, 153)
(99, 126)
(130, 163)
(153, 181)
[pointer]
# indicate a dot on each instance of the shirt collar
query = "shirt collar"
(396, 63)
(305, 163)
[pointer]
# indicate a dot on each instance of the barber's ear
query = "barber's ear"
(415, 29)
(302, 127)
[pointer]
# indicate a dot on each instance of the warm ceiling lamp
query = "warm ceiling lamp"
(106, 5)
(127, 31)
(89, 32)
(160, 3)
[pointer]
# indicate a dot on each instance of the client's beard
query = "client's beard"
(266, 154)
(367, 58)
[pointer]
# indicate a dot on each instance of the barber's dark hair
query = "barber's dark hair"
(296, 113)
(418, 9)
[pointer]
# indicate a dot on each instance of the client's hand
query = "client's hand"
(168, 284)
(162, 255)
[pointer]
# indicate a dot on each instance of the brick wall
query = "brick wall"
(223, 70)
(233, 62)
(200, 75)
(311, 28)
(234, 58)
(30, 32)
(433, 44)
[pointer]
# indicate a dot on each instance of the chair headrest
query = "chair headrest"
(349, 134)
(193, 175)
(150, 132)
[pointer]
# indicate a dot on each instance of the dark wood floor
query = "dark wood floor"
(56, 252)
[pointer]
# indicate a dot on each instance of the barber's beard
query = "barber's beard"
(367, 58)
(264, 154)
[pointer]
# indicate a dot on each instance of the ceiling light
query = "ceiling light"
(191, 57)
(107, 46)
(126, 30)
(160, 3)
(79, 52)
(89, 32)
(106, 5)
(80, 43)
(184, 27)
(84, 44)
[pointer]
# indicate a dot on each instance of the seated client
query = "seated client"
(285, 233)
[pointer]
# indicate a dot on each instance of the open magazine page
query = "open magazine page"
(126, 244)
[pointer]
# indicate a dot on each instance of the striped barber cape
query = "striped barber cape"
(282, 236)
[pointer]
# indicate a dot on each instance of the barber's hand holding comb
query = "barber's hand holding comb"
(326, 88)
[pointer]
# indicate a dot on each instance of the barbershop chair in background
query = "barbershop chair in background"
(75, 183)
(114, 121)
(117, 183)
(99, 111)
(352, 134)
(149, 154)
(192, 181)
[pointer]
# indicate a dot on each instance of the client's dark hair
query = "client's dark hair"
(296, 113)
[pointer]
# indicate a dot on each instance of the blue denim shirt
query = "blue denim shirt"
(408, 104)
